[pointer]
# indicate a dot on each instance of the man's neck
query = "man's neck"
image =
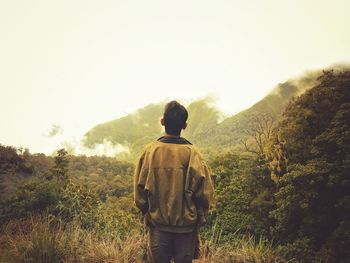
(171, 135)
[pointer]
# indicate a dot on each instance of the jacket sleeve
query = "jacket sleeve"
(140, 195)
(201, 186)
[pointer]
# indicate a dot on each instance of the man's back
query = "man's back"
(172, 176)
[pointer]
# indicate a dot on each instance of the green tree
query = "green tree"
(312, 199)
(244, 194)
(60, 169)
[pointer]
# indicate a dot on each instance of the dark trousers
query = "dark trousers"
(162, 246)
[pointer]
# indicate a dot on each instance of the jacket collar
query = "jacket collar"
(175, 140)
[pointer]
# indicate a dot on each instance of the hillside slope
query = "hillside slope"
(229, 133)
(139, 128)
(204, 129)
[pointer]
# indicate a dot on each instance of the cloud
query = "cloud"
(55, 130)
(106, 148)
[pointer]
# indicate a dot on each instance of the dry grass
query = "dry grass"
(243, 250)
(37, 239)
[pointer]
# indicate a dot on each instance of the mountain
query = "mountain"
(204, 126)
(143, 126)
(229, 134)
(131, 131)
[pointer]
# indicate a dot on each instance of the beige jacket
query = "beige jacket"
(173, 186)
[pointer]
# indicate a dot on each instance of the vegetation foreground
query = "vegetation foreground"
(52, 218)
(37, 239)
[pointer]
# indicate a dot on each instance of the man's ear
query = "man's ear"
(162, 121)
(185, 125)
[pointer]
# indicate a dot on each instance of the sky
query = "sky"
(68, 65)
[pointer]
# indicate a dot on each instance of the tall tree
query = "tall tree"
(60, 169)
(313, 197)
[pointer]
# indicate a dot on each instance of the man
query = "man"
(173, 189)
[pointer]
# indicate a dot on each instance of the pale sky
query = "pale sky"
(79, 63)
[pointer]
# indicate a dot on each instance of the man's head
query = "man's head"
(174, 118)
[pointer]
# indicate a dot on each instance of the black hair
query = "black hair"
(175, 116)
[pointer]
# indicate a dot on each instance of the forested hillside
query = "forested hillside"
(234, 131)
(207, 126)
(281, 196)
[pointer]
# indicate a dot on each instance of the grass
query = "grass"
(39, 239)
(245, 249)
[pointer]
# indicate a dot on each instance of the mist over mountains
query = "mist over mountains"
(208, 128)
